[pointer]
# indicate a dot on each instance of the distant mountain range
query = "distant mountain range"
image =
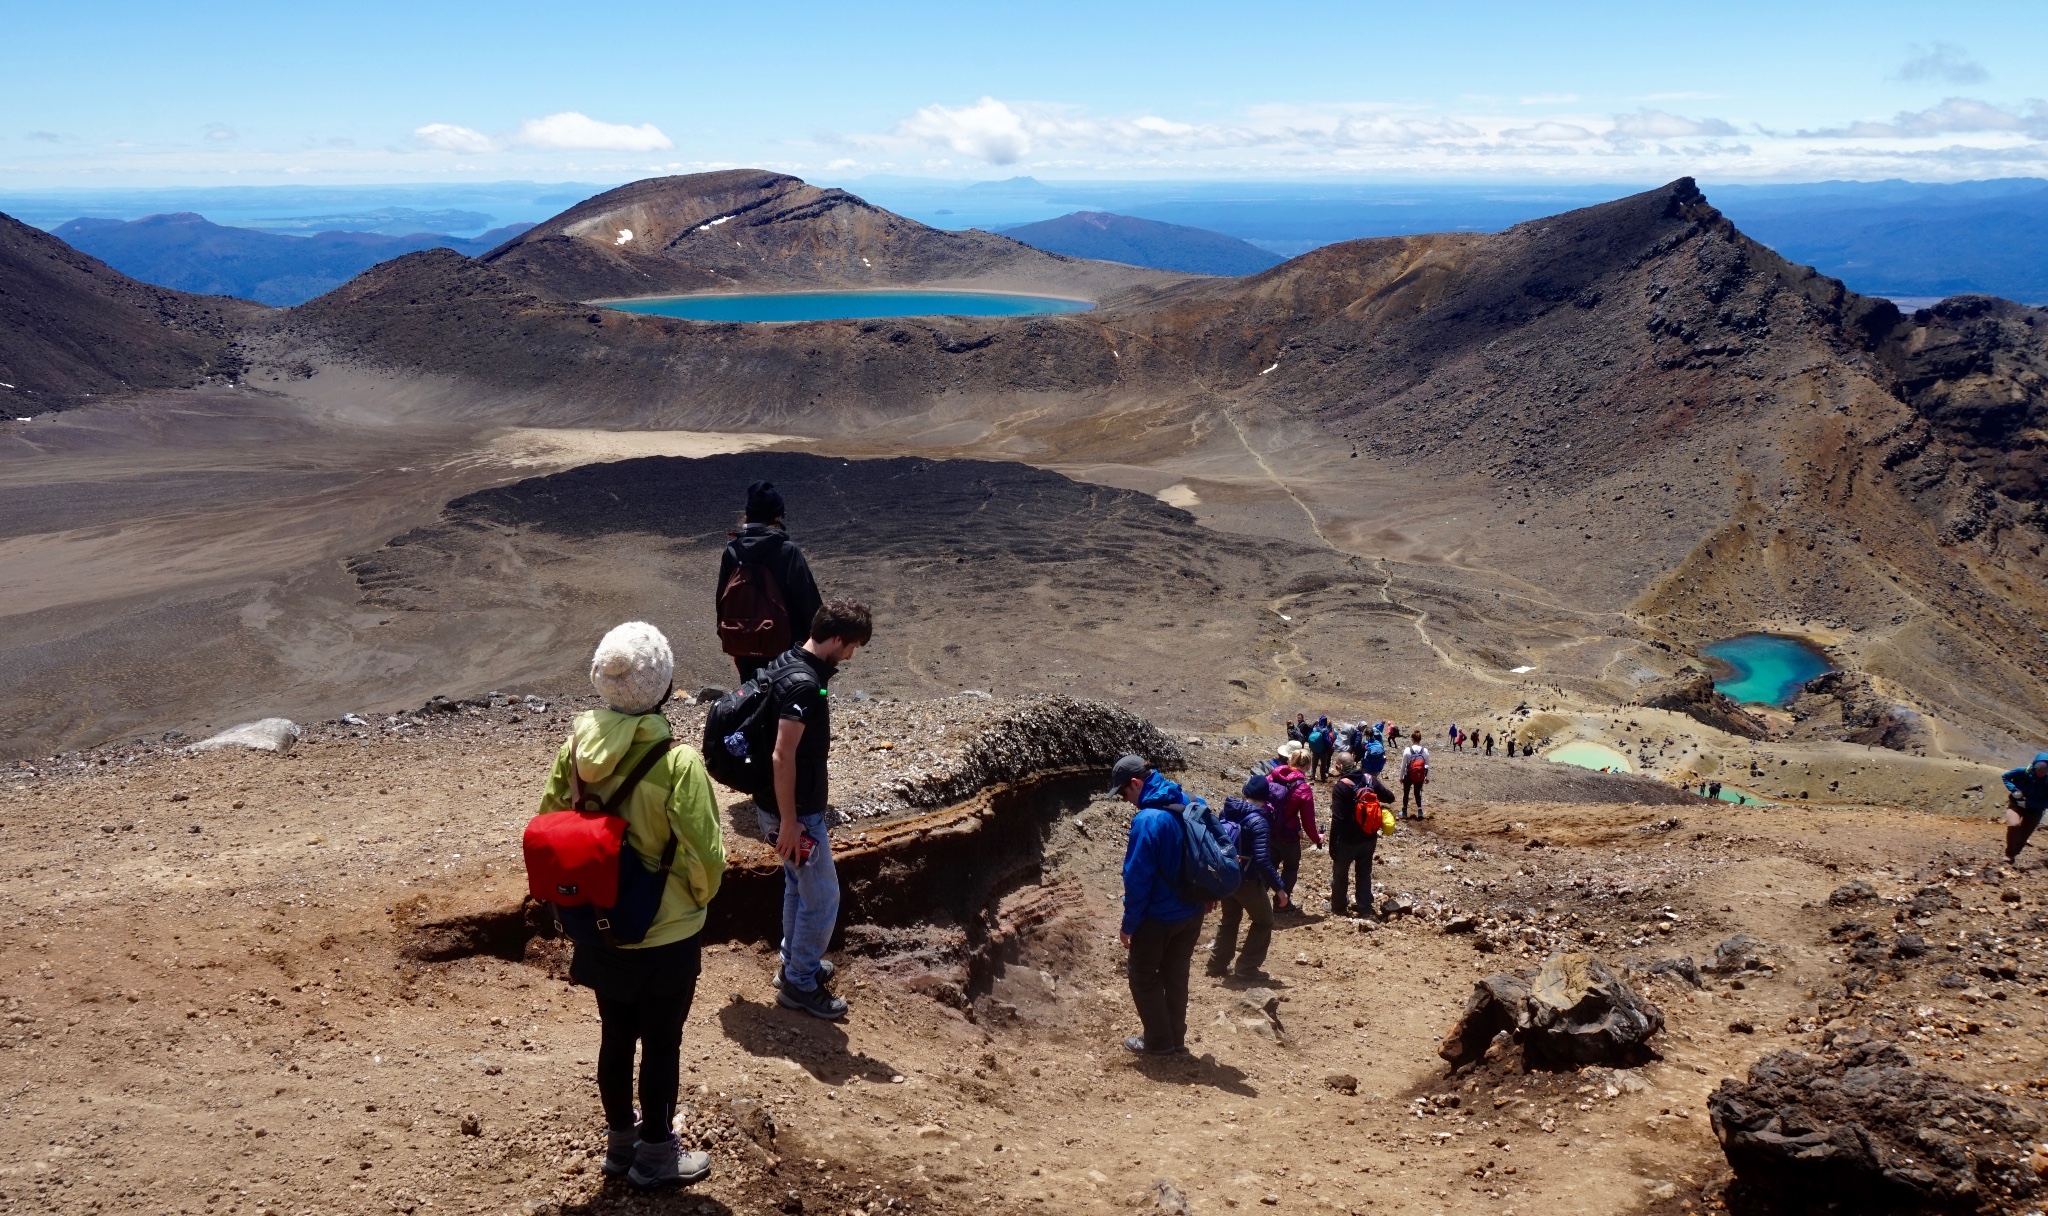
(190, 253)
(1906, 240)
(1123, 238)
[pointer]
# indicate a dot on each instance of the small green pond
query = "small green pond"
(1584, 753)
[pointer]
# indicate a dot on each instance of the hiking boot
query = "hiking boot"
(1252, 977)
(661, 1162)
(619, 1149)
(823, 975)
(817, 1002)
(1135, 1044)
(1216, 971)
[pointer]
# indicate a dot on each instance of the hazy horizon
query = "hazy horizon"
(124, 93)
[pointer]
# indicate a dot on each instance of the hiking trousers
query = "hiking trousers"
(1248, 902)
(1319, 766)
(643, 998)
(1408, 786)
(1161, 955)
(810, 901)
(1343, 855)
(1287, 860)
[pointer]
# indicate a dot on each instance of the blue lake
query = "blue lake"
(1766, 667)
(847, 305)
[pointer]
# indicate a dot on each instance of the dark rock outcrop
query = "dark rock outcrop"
(1846, 705)
(1866, 1131)
(1691, 692)
(1570, 1013)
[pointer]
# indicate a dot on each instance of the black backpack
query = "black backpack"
(739, 735)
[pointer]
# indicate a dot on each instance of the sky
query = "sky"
(131, 94)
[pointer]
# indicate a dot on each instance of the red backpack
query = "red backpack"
(753, 618)
(1417, 770)
(578, 861)
(1365, 805)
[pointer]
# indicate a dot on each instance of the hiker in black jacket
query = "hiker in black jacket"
(748, 627)
(1354, 835)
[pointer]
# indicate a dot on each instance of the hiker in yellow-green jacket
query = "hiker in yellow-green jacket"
(644, 989)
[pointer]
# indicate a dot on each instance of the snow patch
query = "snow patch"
(1275, 367)
(715, 223)
(625, 234)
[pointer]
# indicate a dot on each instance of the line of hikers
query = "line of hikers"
(627, 847)
(1183, 859)
(1311, 749)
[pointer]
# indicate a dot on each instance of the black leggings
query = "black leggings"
(643, 997)
(1343, 855)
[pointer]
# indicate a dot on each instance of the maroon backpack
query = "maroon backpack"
(753, 618)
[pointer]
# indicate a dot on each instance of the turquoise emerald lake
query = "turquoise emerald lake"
(847, 305)
(1766, 667)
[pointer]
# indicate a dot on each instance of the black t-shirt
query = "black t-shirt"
(800, 681)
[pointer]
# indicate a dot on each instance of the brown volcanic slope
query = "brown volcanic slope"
(744, 228)
(73, 326)
(1681, 427)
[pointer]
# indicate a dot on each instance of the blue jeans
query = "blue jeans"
(810, 902)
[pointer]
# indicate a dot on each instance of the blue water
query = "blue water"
(1766, 667)
(847, 305)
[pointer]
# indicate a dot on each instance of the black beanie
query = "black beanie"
(764, 503)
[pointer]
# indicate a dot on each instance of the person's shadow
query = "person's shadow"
(820, 1047)
(1204, 1069)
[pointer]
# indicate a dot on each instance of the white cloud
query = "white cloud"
(1954, 116)
(1549, 132)
(987, 130)
(568, 131)
(1944, 63)
(447, 137)
(1660, 124)
(219, 133)
(1548, 99)
(571, 131)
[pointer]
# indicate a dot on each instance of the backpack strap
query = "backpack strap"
(647, 762)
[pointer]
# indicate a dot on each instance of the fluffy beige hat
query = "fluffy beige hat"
(633, 668)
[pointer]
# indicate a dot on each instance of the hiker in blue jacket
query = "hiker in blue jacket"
(1322, 744)
(1160, 928)
(2027, 796)
(1247, 815)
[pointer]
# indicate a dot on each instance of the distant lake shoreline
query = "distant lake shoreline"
(860, 305)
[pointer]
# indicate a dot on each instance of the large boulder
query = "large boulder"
(1867, 1131)
(263, 735)
(1581, 1013)
(1569, 1013)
